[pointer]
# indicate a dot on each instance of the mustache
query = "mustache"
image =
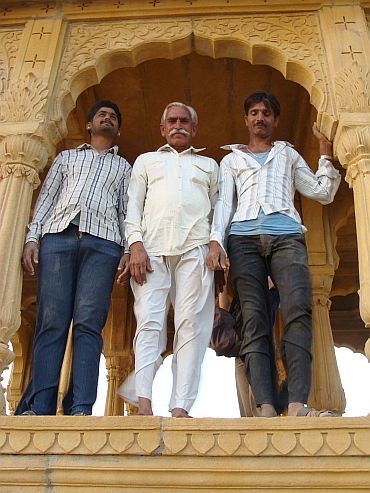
(178, 131)
(259, 123)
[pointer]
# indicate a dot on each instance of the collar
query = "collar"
(111, 150)
(241, 147)
(167, 148)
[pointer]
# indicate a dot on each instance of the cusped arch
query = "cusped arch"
(290, 44)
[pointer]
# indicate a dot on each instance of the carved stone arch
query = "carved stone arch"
(289, 43)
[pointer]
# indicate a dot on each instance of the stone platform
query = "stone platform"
(152, 454)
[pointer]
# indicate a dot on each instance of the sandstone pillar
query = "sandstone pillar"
(353, 149)
(20, 156)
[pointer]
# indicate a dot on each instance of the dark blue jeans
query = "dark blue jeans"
(284, 259)
(75, 280)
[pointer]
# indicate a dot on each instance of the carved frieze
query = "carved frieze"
(245, 437)
(295, 36)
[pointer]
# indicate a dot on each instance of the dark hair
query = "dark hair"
(106, 104)
(269, 100)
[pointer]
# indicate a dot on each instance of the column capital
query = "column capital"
(352, 144)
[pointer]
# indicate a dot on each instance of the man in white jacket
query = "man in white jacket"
(265, 238)
(172, 195)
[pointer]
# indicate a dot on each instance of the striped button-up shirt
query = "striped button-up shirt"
(85, 182)
(246, 186)
(171, 200)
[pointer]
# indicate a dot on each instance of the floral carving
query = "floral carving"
(9, 46)
(24, 100)
(296, 36)
(352, 89)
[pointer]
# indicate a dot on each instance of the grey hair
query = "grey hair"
(193, 113)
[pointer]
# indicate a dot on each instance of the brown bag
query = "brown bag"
(224, 339)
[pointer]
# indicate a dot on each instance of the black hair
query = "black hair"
(106, 104)
(269, 100)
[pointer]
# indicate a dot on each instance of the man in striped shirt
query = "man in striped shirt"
(257, 224)
(79, 220)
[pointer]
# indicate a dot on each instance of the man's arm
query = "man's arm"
(322, 185)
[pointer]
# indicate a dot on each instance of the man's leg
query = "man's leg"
(55, 294)
(193, 298)
(97, 266)
(289, 268)
(249, 280)
(150, 340)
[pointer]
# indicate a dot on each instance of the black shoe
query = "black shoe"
(80, 413)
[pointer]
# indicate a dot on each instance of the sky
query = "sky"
(217, 391)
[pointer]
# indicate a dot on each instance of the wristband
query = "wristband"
(325, 156)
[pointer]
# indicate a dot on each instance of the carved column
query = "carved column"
(353, 149)
(326, 388)
(20, 157)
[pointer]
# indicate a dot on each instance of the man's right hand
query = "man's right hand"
(139, 263)
(30, 256)
(216, 258)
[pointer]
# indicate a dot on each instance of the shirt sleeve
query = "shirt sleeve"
(322, 185)
(213, 191)
(46, 200)
(136, 199)
(225, 206)
(122, 209)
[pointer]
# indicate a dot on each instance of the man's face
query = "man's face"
(178, 119)
(105, 122)
(261, 120)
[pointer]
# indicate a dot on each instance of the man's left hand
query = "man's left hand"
(124, 266)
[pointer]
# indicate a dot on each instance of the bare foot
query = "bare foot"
(178, 412)
(145, 407)
(268, 411)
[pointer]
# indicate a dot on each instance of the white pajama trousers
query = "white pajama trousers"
(186, 281)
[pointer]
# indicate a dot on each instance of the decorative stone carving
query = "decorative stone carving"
(294, 38)
(9, 47)
(352, 89)
(24, 100)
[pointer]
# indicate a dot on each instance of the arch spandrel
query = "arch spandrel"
(289, 43)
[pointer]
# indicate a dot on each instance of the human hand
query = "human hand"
(326, 147)
(30, 256)
(139, 263)
(124, 266)
(216, 257)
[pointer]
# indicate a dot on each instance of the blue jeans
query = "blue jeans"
(284, 259)
(75, 279)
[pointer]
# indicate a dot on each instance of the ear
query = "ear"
(163, 132)
(88, 125)
(194, 129)
(118, 133)
(276, 122)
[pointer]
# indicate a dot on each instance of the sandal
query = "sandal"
(310, 412)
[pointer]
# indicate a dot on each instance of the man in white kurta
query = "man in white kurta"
(171, 198)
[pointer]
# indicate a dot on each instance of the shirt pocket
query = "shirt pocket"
(201, 173)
